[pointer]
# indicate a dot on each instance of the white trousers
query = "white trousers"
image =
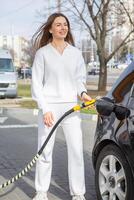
(73, 134)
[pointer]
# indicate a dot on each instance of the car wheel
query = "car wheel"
(113, 177)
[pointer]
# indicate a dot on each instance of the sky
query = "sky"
(19, 17)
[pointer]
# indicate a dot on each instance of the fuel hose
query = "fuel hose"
(33, 161)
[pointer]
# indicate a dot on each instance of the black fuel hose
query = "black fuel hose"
(30, 164)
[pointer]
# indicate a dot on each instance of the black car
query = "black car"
(94, 71)
(25, 73)
(113, 151)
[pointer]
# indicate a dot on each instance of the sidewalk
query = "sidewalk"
(20, 148)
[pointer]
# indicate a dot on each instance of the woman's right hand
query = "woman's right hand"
(48, 119)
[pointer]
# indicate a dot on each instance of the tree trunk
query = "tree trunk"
(103, 76)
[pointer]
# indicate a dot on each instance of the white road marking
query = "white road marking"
(3, 119)
(35, 112)
(18, 126)
(1, 110)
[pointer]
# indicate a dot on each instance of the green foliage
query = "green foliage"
(24, 90)
(89, 111)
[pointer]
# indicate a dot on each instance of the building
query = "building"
(118, 22)
(118, 19)
(16, 45)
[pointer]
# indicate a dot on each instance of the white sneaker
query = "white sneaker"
(40, 196)
(78, 197)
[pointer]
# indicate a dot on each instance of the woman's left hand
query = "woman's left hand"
(86, 97)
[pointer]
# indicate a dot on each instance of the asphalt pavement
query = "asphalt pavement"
(18, 143)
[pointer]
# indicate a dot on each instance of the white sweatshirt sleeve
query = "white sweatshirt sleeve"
(81, 75)
(38, 70)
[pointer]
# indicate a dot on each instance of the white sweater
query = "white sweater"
(57, 78)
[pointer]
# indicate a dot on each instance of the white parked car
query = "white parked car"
(8, 75)
(122, 65)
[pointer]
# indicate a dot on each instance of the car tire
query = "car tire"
(113, 181)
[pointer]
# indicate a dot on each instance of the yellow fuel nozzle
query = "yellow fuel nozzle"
(88, 103)
(85, 104)
(77, 107)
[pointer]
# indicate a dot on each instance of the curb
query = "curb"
(14, 100)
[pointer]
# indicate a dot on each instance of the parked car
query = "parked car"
(8, 75)
(122, 65)
(25, 72)
(113, 151)
(115, 64)
(94, 71)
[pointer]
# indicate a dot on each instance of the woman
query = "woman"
(58, 78)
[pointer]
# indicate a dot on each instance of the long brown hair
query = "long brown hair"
(43, 36)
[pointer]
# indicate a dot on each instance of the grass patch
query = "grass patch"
(24, 90)
(33, 105)
(89, 111)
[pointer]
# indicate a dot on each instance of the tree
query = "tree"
(86, 50)
(29, 53)
(13, 53)
(100, 18)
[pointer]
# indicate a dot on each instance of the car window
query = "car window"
(6, 65)
(131, 99)
(123, 88)
(122, 85)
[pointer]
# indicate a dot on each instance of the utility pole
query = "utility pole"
(12, 39)
(59, 6)
(49, 6)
